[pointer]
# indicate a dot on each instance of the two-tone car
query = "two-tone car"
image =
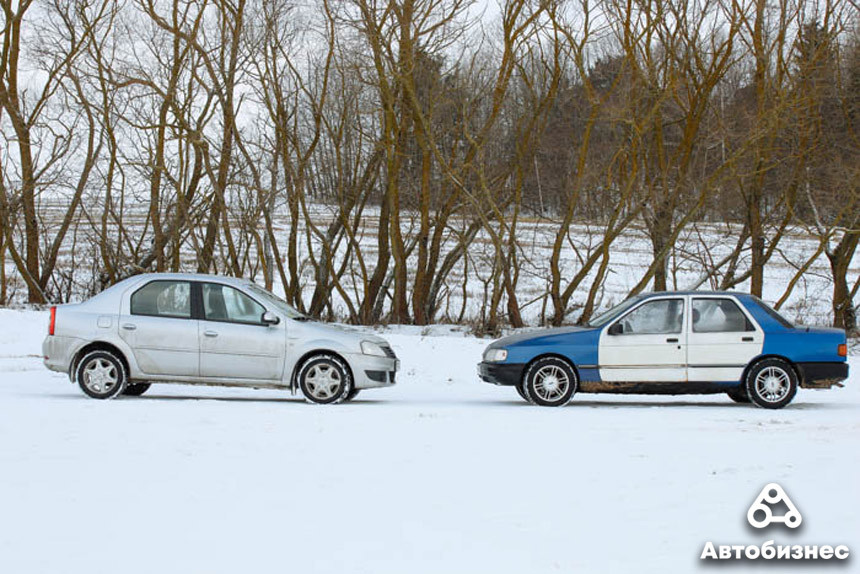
(673, 343)
(210, 330)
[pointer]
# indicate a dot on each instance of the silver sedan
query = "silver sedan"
(210, 330)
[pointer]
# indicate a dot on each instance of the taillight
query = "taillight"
(842, 350)
(53, 322)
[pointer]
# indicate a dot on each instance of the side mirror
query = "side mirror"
(270, 318)
(616, 328)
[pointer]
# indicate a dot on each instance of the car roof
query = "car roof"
(111, 295)
(670, 293)
(192, 277)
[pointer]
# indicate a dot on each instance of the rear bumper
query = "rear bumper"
(57, 352)
(822, 375)
(508, 374)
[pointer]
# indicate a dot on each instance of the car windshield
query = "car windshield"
(614, 312)
(276, 301)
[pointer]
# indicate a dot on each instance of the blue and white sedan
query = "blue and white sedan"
(673, 343)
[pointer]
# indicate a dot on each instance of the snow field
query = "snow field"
(441, 473)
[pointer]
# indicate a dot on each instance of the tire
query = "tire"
(739, 395)
(550, 382)
(771, 383)
(101, 375)
(325, 379)
(136, 389)
(521, 392)
(351, 394)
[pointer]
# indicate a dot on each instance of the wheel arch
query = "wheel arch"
(297, 366)
(761, 358)
(555, 356)
(98, 346)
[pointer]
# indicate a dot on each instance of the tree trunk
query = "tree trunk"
(844, 311)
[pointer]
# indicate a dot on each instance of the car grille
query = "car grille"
(389, 352)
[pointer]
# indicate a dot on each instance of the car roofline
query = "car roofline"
(688, 292)
(226, 280)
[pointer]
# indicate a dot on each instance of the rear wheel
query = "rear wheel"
(550, 382)
(325, 379)
(101, 375)
(771, 383)
(136, 389)
(739, 395)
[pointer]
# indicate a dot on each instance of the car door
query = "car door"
(157, 324)
(723, 338)
(235, 344)
(646, 344)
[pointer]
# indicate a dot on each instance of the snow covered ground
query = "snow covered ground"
(441, 473)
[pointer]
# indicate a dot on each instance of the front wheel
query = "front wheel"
(771, 383)
(351, 394)
(521, 391)
(325, 379)
(101, 375)
(550, 382)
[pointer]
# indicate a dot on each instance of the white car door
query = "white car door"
(157, 324)
(647, 344)
(723, 339)
(234, 342)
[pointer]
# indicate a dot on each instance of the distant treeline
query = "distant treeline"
(137, 132)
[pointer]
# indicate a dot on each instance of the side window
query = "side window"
(223, 303)
(163, 299)
(664, 316)
(719, 316)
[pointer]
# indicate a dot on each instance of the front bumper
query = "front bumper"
(371, 371)
(822, 375)
(508, 374)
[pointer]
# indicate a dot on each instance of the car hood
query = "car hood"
(539, 334)
(343, 333)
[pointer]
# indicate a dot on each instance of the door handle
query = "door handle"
(129, 326)
(747, 339)
(210, 333)
(672, 340)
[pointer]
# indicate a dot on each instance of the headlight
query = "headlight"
(371, 348)
(495, 355)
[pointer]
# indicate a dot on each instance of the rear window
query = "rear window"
(774, 314)
(163, 299)
(718, 315)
